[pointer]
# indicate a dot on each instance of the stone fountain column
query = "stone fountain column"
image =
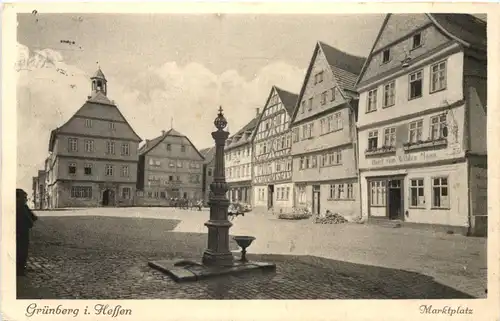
(217, 252)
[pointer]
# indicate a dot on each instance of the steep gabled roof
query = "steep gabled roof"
(150, 144)
(464, 28)
(208, 153)
(287, 98)
(98, 99)
(344, 67)
(243, 136)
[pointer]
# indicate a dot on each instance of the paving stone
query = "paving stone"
(107, 258)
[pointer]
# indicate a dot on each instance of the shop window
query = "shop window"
(377, 193)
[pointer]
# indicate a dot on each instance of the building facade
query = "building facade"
(39, 194)
(93, 156)
(422, 122)
(272, 161)
(324, 134)
(170, 167)
(238, 163)
(208, 171)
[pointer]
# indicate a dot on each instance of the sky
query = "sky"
(165, 69)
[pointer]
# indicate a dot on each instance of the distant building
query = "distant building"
(324, 134)
(238, 163)
(39, 194)
(272, 161)
(170, 166)
(93, 156)
(422, 122)
(208, 171)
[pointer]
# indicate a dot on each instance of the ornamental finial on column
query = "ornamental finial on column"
(220, 122)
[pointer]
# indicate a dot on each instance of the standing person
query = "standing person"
(24, 222)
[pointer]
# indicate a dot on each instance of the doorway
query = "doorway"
(316, 204)
(270, 195)
(395, 199)
(108, 198)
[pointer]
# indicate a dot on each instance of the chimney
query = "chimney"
(147, 141)
(257, 112)
(163, 132)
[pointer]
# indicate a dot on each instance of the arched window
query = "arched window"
(99, 85)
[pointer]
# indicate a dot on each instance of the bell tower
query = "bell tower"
(99, 83)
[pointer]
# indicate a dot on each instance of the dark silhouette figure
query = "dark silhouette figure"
(24, 222)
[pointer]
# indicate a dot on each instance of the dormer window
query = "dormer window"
(386, 56)
(417, 41)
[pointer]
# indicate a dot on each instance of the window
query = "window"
(338, 157)
(108, 169)
(318, 77)
(386, 56)
(302, 107)
(440, 197)
(126, 193)
(178, 178)
(179, 164)
(416, 131)
(125, 171)
(169, 147)
(170, 178)
(209, 172)
(323, 129)
(340, 191)
(438, 123)
(377, 193)
(301, 163)
(417, 198)
(438, 76)
(150, 194)
(389, 94)
(390, 136)
(81, 192)
(301, 194)
(332, 98)
(417, 41)
(111, 125)
(89, 145)
(314, 161)
(163, 195)
(337, 121)
(73, 144)
(88, 123)
(72, 168)
(156, 194)
(125, 149)
(323, 98)
(416, 84)
(372, 100)
(183, 149)
(110, 148)
(372, 140)
(332, 191)
(350, 191)
(310, 104)
(307, 161)
(87, 169)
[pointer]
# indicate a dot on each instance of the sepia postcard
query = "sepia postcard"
(248, 161)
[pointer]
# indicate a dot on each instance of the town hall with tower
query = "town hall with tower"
(93, 156)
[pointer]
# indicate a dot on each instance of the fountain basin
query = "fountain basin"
(244, 241)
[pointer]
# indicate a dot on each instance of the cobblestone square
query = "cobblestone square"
(103, 254)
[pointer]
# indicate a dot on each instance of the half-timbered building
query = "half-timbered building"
(238, 163)
(422, 123)
(272, 161)
(324, 134)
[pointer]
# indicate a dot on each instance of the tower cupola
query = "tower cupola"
(99, 82)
